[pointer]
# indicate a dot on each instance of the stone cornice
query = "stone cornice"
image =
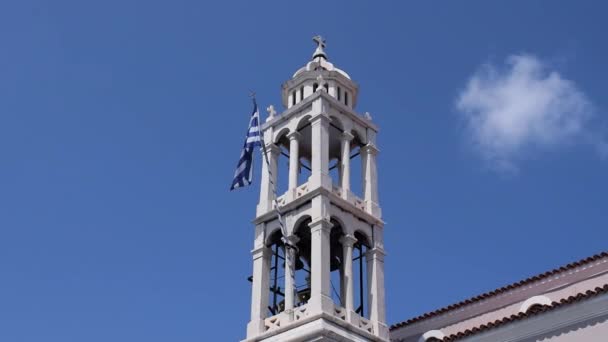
(348, 136)
(334, 199)
(320, 316)
(307, 102)
(371, 149)
(348, 240)
(295, 135)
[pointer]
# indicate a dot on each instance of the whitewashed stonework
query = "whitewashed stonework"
(318, 125)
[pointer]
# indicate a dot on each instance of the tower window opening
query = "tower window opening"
(356, 166)
(360, 275)
(326, 86)
(305, 154)
(293, 98)
(339, 94)
(282, 172)
(301, 93)
(336, 263)
(314, 87)
(304, 172)
(346, 98)
(335, 171)
(277, 274)
(302, 266)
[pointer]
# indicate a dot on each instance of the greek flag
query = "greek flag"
(244, 170)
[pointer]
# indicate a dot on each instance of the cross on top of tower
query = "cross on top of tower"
(319, 52)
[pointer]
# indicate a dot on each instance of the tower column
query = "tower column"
(320, 265)
(370, 179)
(294, 160)
(290, 262)
(347, 242)
(266, 185)
(259, 290)
(346, 138)
(320, 148)
(375, 279)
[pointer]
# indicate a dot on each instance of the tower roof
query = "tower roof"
(319, 60)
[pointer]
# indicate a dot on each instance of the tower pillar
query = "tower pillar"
(290, 261)
(345, 140)
(261, 282)
(320, 152)
(294, 160)
(320, 295)
(375, 278)
(370, 179)
(347, 242)
(267, 181)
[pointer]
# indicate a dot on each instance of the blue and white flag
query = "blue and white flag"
(244, 169)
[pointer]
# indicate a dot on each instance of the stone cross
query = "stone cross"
(271, 113)
(319, 40)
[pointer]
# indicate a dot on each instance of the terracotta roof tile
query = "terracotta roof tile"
(523, 315)
(503, 289)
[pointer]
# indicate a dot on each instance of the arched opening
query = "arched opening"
(432, 336)
(336, 129)
(315, 86)
(336, 254)
(326, 86)
(534, 304)
(356, 166)
(302, 266)
(304, 128)
(301, 93)
(535, 308)
(360, 275)
(276, 300)
(282, 176)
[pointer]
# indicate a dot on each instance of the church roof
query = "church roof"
(523, 315)
(502, 290)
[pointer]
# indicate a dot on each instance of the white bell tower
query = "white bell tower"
(330, 287)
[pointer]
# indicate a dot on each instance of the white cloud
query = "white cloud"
(523, 107)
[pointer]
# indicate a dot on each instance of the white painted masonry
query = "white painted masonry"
(320, 126)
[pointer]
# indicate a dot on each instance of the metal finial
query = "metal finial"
(319, 52)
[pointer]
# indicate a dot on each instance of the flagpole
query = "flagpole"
(290, 248)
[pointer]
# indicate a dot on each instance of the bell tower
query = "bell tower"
(321, 277)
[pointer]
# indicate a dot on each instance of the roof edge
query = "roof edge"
(523, 315)
(501, 290)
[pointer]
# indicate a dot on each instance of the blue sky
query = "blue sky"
(121, 123)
